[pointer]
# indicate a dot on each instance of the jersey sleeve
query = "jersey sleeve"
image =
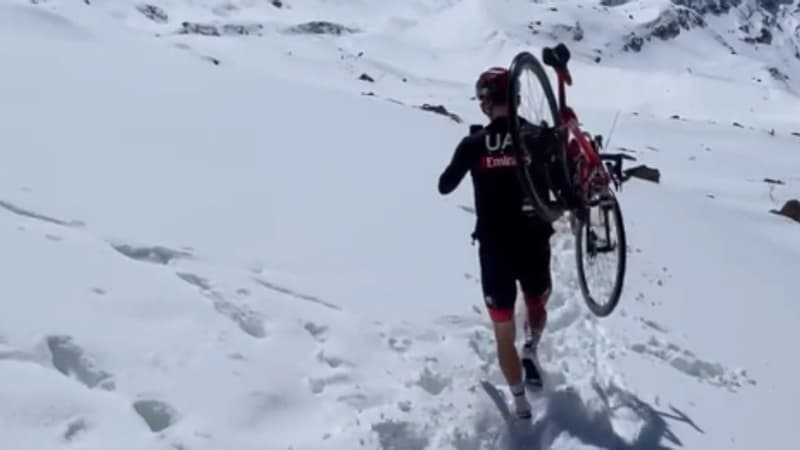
(459, 165)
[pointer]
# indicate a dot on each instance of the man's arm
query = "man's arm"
(456, 170)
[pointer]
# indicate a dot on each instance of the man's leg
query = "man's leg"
(536, 306)
(536, 281)
(499, 290)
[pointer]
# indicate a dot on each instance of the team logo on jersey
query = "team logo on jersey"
(496, 162)
(497, 141)
(496, 145)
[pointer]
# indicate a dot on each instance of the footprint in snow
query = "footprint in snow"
(75, 428)
(248, 321)
(318, 384)
(333, 361)
(71, 360)
(690, 364)
(157, 414)
(318, 332)
(153, 254)
(401, 435)
(431, 382)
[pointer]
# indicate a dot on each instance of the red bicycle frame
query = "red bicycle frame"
(569, 119)
(590, 160)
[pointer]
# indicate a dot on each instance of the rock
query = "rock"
(795, 133)
(365, 77)
(440, 109)
(774, 181)
(644, 172)
(321, 27)
(633, 42)
(207, 29)
(198, 28)
(764, 38)
(714, 7)
(791, 209)
(738, 125)
(153, 13)
(777, 74)
(212, 60)
(277, 3)
(772, 6)
(669, 23)
(242, 29)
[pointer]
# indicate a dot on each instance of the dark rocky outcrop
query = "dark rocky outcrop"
(321, 27)
(761, 22)
(791, 209)
(440, 109)
(777, 74)
(153, 13)
(207, 29)
(713, 7)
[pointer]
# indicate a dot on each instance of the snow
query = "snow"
(252, 254)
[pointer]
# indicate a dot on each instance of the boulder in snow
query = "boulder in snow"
(791, 209)
(321, 27)
(153, 13)
(440, 109)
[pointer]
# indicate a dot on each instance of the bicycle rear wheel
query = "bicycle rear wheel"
(599, 235)
(548, 166)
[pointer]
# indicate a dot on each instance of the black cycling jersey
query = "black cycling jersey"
(488, 156)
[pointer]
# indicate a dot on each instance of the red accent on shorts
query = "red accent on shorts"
(500, 314)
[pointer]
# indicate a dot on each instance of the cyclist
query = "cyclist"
(514, 245)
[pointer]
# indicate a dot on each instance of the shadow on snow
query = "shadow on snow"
(567, 413)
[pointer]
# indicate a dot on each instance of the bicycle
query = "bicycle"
(574, 177)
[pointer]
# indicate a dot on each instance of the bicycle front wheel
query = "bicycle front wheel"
(601, 250)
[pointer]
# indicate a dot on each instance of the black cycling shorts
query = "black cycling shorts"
(525, 260)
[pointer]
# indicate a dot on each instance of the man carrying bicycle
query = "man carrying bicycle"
(514, 244)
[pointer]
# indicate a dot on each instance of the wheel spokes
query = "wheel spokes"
(600, 254)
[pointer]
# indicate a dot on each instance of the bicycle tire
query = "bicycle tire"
(534, 190)
(603, 309)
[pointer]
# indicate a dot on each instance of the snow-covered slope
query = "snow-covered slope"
(233, 242)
